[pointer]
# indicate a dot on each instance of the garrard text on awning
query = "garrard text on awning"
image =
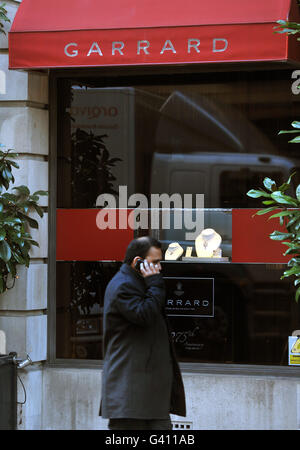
(143, 47)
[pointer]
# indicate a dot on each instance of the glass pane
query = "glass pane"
(234, 184)
(253, 314)
(249, 322)
(79, 307)
(183, 226)
(213, 134)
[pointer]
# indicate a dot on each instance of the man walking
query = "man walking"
(141, 379)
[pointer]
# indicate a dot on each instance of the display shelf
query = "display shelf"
(191, 259)
(205, 260)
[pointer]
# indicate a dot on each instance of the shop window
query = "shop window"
(209, 134)
(79, 303)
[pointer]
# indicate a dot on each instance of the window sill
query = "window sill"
(196, 368)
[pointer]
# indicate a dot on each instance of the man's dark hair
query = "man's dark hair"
(140, 247)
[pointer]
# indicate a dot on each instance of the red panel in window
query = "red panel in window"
(250, 238)
(79, 239)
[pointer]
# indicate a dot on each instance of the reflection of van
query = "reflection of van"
(223, 178)
(204, 146)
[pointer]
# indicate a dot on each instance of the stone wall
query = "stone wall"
(214, 402)
(23, 309)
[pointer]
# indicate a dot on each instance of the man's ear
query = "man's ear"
(135, 260)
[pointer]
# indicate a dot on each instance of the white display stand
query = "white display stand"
(173, 252)
(195, 259)
(207, 243)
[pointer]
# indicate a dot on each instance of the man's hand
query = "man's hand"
(148, 269)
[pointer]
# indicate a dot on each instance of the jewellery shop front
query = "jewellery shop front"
(169, 98)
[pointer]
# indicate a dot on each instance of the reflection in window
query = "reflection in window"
(234, 184)
(79, 308)
(207, 133)
(254, 312)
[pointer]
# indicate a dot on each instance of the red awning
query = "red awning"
(76, 33)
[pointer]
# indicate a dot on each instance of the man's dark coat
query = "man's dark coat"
(141, 378)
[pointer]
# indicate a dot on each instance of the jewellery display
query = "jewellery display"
(217, 253)
(207, 243)
(188, 252)
(173, 252)
(207, 247)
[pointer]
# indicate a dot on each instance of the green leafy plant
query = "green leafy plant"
(3, 17)
(15, 239)
(284, 26)
(289, 218)
(296, 125)
(287, 27)
(92, 167)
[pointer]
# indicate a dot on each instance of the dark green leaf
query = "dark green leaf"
(293, 262)
(9, 196)
(288, 131)
(34, 198)
(296, 140)
(296, 124)
(32, 222)
(265, 211)
(23, 190)
(280, 214)
(37, 208)
(298, 192)
(255, 193)
(268, 202)
(279, 236)
(292, 245)
(40, 193)
(292, 271)
(270, 184)
(7, 174)
(11, 268)
(11, 220)
(292, 222)
(18, 258)
(2, 234)
(14, 155)
(291, 251)
(32, 242)
(5, 251)
(286, 185)
(297, 294)
(16, 165)
(279, 197)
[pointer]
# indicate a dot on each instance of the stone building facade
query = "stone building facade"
(23, 309)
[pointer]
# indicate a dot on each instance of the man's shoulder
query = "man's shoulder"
(120, 280)
(116, 280)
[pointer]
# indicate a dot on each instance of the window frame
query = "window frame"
(131, 73)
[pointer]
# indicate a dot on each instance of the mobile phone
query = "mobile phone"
(138, 264)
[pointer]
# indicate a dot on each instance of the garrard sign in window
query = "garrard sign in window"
(189, 297)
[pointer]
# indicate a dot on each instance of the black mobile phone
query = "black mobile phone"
(138, 265)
